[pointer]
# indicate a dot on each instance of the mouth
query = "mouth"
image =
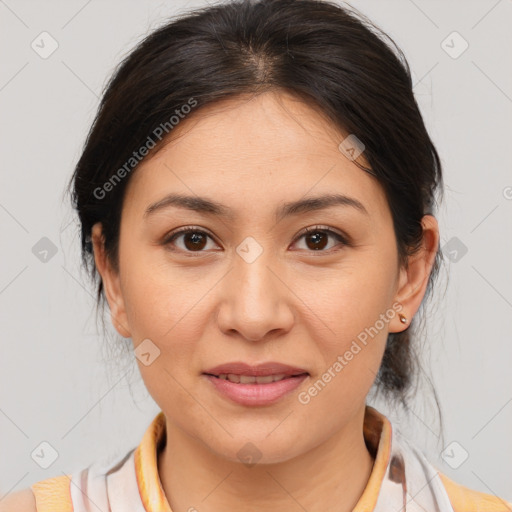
(255, 379)
(262, 373)
(261, 384)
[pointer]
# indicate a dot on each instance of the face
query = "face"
(247, 284)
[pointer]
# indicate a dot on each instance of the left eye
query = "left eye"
(195, 240)
(317, 238)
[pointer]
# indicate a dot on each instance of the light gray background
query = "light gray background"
(54, 383)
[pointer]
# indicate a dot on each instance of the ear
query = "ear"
(111, 282)
(413, 280)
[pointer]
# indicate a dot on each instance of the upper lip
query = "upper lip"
(262, 369)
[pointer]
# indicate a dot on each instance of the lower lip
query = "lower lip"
(256, 394)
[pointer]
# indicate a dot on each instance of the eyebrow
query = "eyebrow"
(210, 207)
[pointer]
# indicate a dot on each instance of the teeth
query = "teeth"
(251, 379)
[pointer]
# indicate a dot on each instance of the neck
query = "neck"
(330, 477)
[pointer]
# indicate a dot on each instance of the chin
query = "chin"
(257, 450)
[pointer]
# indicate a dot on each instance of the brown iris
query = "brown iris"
(197, 240)
(319, 240)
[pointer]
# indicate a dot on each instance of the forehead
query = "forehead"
(262, 128)
(254, 150)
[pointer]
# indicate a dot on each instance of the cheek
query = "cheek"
(352, 307)
(350, 298)
(163, 307)
(350, 353)
(170, 306)
(159, 297)
(169, 317)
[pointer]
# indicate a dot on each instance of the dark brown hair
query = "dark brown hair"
(323, 53)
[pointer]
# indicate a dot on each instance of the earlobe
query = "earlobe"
(413, 280)
(111, 283)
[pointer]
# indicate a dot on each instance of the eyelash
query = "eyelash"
(190, 229)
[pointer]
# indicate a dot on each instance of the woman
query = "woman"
(256, 196)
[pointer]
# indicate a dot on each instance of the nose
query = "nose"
(256, 300)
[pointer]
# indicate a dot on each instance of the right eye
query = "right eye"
(193, 239)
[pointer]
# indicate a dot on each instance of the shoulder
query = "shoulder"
(464, 499)
(50, 495)
(19, 501)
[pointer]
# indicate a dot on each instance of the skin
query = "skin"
(21, 501)
(293, 304)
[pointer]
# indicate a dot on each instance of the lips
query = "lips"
(255, 385)
(244, 373)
